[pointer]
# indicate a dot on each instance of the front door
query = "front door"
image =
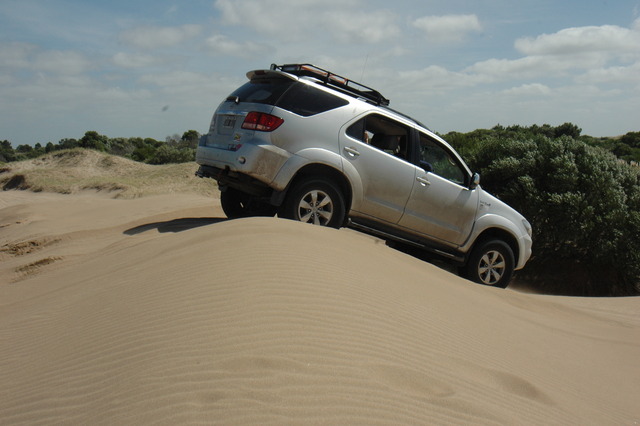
(441, 205)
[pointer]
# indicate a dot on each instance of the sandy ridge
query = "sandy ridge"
(160, 311)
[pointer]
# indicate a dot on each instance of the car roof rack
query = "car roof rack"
(343, 84)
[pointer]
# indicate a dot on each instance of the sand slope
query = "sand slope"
(156, 310)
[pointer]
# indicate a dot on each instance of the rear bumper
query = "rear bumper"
(239, 181)
(261, 162)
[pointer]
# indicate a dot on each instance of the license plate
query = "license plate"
(229, 122)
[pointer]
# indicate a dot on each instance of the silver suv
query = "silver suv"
(310, 145)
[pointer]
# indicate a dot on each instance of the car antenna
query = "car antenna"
(364, 67)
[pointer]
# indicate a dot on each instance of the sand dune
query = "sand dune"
(157, 310)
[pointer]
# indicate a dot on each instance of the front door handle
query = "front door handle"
(423, 181)
(352, 152)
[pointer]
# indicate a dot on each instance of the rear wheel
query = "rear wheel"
(491, 263)
(315, 201)
(237, 204)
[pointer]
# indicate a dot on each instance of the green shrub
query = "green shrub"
(584, 207)
(168, 154)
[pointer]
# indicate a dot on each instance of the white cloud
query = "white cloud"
(15, 54)
(342, 20)
(129, 60)
(222, 44)
(532, 67)
(629, 75)
(530, 89)
(369, 27)
(434, 79)
(273, 17)
(178, 81)
(62, 62)
(26, 56)
(448, 27)
(580, 54)
(159, 37)
(606, 39)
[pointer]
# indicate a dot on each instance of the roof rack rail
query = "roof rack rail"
(345, 85)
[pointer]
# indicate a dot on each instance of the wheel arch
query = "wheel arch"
(496, 234)
(325, 172)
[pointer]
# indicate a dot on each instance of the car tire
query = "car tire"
(237, 204)
(317, 201)
(490, 263)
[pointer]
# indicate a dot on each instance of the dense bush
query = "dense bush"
(584, 206)
(166, 154)
(176, 149)
(6, 152)
(626, 147)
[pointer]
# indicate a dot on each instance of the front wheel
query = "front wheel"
(491, 263)
(237, 204)
(315, 201)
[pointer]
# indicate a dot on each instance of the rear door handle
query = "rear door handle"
(423, 181)
(352, 152)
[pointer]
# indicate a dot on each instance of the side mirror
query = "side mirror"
(475, 181)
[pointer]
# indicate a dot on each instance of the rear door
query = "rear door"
(375, 146)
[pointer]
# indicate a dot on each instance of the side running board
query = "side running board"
(385, 235)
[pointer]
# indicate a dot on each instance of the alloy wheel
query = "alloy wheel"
(491, 267)
(315, 207)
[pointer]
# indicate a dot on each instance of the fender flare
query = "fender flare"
(489, 222)
(319, 157)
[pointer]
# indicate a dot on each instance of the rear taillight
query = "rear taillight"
(261, 122)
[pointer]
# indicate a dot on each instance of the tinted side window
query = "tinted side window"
(262, 91)
(383, 133)
(356, 131)
(440, 161)
(306, 100)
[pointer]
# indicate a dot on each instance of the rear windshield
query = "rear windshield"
(299, 98)
(262, 91)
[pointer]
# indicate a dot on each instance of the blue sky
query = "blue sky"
(156, 68)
